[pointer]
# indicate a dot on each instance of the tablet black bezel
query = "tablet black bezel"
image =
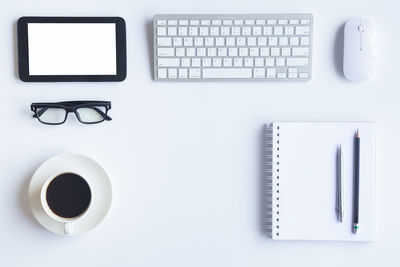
(23, 57)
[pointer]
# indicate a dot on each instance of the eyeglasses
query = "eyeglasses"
(87, 112)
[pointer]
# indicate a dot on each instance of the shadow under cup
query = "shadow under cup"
(68, 195)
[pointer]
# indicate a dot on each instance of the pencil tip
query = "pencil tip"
(358, 133)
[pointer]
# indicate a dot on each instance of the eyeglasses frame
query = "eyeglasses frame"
(72, 107)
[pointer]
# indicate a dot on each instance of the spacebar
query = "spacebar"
(227, 73)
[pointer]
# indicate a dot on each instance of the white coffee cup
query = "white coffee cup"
(68, 222)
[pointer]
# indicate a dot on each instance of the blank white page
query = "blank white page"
(307, 184)
(72, 49)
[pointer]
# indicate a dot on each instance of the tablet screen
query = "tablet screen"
(72, 48)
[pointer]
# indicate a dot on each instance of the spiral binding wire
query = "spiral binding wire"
(272, 180)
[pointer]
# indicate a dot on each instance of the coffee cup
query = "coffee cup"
(66, 197)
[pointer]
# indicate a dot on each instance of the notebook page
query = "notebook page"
(307, 184)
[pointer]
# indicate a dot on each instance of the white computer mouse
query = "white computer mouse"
(359, 50)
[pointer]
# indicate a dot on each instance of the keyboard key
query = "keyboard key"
(205, 22)
(302, 30)
(293, 75)
(168, 62)
(194, 73)
(188, 41)
(259, 73)
(206, 62)
(305, 21)
(194, 22)
(238, 22)
(227, 22)
(184, 22)
(162, 73)
(297, 62)
(289, 30)
(300, 51)
(280, 62)
(172, 73)
(259, 62)
(165, 52)
(177, 41)
(281, 75)
(271, 21)
(303, 75)
(249, 22)
(294, 41)
(238, 62)
(172, 22)
(305, 41)
(193, 31)
(216, 22)
(294, 21)
(278, 30)
(267, 30)
(185, 62)
(164, 41)
(172, 31)
(183, 73)
(183, 31)
(180, 52)
(161, 31)
(231, 73)
(161, 22)
(271, 72)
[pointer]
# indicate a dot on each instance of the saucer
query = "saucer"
(92, 172)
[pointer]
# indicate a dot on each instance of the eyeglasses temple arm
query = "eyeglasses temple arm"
(40, 112)
(104, 115)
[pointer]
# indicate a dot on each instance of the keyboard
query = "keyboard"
(273, 47)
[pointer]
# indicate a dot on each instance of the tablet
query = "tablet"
(67, 49)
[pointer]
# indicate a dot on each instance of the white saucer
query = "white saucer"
(87, 168)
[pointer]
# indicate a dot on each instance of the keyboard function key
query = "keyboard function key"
(293, 21)
(305, 21)
(194, 22)
(238, 22)
(161, 22)
(172, 22)
(205, 22)
(227, 22)
(184, 22)
(271, 21)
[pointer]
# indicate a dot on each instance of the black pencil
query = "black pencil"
(356, 182)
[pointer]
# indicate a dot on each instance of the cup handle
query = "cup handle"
(68, 228)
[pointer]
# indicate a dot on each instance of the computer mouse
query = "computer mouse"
(359, 49)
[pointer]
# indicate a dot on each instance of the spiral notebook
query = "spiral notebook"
(301, 160)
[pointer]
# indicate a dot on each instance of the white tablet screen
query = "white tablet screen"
(72, 49)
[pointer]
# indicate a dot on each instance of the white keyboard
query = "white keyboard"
(273, 47)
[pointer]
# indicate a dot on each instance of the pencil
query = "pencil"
(356, 182)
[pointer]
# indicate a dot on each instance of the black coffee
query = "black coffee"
(68, 195)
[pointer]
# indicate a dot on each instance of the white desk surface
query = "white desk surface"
(185, 159)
